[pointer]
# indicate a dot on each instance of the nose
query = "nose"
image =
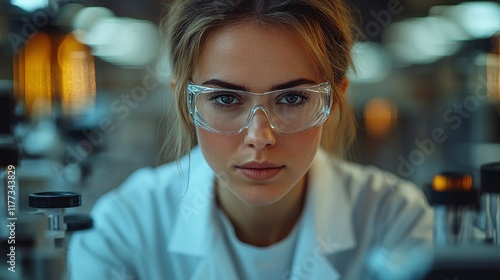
(259, 133)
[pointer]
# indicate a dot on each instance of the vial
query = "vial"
(455, 202)
(490, 189)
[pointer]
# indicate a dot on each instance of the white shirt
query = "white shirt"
(162, 224)
(252, 262)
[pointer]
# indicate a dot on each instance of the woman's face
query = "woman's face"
(259, 165)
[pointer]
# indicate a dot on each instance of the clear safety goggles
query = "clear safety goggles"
(289, 111)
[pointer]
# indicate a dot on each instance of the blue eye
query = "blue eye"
(225, 99)
(294, 98)
(291, 99)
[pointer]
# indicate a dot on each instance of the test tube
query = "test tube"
(490, 189)
(454, 200)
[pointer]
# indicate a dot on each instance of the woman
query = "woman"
(260, 86)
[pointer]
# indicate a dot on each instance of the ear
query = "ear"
(172, 84)
(344, 85)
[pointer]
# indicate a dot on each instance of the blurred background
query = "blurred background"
(90, 88)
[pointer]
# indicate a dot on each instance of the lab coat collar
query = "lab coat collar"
(193, 232)
(332, 210)
(326, 227)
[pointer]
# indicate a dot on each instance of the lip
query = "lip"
(260, 171)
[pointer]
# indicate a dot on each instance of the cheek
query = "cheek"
(308, 140)
(303, 146)
(216, 148)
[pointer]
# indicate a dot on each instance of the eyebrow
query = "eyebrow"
(289, 84)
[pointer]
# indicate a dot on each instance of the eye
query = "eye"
(293, 98)
(222, 98)
(226, 99)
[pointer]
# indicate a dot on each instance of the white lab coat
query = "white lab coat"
(156, 226)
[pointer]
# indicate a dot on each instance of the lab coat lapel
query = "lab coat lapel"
(216, 264)
(195, 236)
(203, 241)
(310, 261)
(193, 230)
(326, 228)
(206, 245)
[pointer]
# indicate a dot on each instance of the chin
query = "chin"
(260, 196)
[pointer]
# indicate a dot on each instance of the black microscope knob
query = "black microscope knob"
(55, 200)
(75, 222)
(490, 177)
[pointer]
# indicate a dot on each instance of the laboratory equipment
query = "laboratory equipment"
(53, 205)
(490, 189)
(459, 251)
(455, 203)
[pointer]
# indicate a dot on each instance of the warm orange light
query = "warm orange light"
(78, 87)
(54, 69)
(380, 117)
(34, 75)
(452, 182)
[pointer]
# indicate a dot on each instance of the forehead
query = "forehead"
(256, 55)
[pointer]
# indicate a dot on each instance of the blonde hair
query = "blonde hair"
(327, 26)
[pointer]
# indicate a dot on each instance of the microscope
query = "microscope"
(490, 188)
(35, 218)
(462, 250)
(35, 228)
(466, 210)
